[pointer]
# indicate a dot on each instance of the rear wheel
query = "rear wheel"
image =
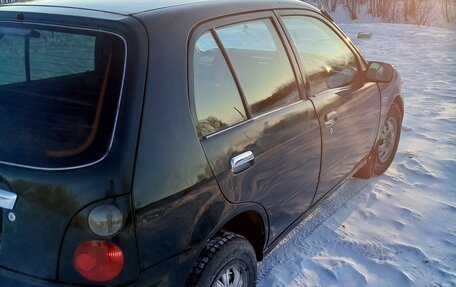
(228, 260)
(385, 149)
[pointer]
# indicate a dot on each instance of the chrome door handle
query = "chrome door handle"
(7, 199)
(242, 162)
(330, 119)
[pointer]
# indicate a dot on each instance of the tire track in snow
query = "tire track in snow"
(297, 238)
(397, 229)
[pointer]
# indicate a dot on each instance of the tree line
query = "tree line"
(403, 11)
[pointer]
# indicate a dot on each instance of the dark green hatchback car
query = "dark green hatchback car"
(172, 143)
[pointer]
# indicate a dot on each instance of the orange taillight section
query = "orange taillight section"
(98, 260)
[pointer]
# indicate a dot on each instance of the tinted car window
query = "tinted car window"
(12, 61)
(217, 100)
(261, 63)
(59, 91)
(329, 63)
(50, 56)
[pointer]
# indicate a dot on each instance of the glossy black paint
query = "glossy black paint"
(285, 143)
(380, 72)
(175, 190)
(78, 232)
(357, 114)
(48, 200)
(284, 177)
(353, 135)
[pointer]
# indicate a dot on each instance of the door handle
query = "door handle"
(7, 199)
(242, 162)
(330, 119)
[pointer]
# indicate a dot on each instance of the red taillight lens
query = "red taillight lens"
(98, 261)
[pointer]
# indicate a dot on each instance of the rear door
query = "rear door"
(348, 107)
(260, 135)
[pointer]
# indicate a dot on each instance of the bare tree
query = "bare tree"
(210, 125)
(333, 4)
(383, 8)
(328, 5)
(424, 13)
(9, 1)
(351, 8)
(449, 10)
(324, 4)
(417, 11)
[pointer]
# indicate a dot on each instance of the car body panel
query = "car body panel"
(390, 93)
(49, 199)
(286, 142)
(352, 138)
(139, 6)
(168, 179)
(172, 178)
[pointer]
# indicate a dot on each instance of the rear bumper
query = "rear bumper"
(170, 273)
(13, 279)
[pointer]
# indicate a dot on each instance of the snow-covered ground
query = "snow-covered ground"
(398, 229)
(435, 18)
(436, 15)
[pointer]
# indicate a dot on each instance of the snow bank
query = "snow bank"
(398, 229)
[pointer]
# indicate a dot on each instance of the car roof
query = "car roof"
(130, 7)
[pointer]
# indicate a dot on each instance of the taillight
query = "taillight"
(98, 261)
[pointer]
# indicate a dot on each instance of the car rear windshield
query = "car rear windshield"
(59, 93)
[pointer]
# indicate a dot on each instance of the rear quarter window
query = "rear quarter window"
(59, 92)
(217, 100)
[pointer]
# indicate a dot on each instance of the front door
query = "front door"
(261, 138)
(347, 106)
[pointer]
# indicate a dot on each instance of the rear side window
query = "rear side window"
(217, 100)
(261, 63)
(59, 92)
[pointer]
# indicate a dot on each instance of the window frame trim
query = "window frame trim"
(211, 26)
(120, 96)
(361, 62)
(237, 81)
(265, 114)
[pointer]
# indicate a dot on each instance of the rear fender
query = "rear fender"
(78, 231)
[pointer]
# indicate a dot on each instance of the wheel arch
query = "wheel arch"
(400, 102)
(365, 171)
(251, 225)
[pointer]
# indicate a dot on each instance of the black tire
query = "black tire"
(379, 161)
(220, 255)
